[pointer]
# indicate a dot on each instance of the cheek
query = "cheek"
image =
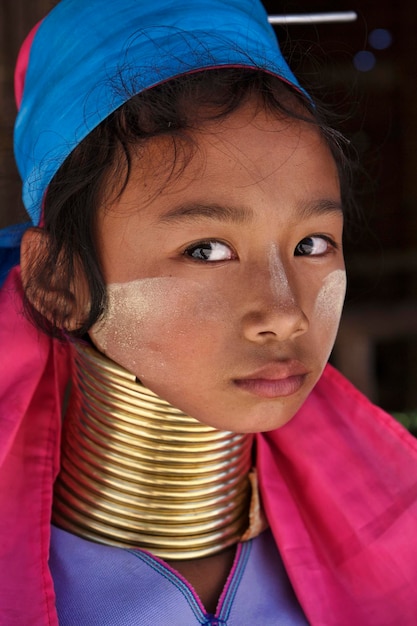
(154, 323)
(328, 306)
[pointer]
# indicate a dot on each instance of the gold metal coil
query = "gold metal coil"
(136, 471)
(135, 521)
(186, 485)
(169, 550)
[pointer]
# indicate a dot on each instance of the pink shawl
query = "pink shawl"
(339, 486)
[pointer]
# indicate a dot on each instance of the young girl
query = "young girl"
(176, 302)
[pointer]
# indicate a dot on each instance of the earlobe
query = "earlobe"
(47, 286)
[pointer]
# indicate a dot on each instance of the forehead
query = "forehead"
(249, 150)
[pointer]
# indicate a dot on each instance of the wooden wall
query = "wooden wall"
(16, 19)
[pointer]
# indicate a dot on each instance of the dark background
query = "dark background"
(377, 110)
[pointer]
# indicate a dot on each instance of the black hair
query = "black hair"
(104, 157)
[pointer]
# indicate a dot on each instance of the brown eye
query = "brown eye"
(210, 251)
(314, 246)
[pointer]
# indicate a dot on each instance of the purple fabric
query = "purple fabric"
(105, 586)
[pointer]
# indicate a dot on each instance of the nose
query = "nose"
(273, 310)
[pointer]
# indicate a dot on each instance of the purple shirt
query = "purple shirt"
(99, 585)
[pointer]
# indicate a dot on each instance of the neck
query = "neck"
(137, 472)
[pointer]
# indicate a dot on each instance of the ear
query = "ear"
(62, 301)
(32, 249)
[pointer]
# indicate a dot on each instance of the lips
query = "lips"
(277, 380)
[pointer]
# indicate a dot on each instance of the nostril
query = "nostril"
(275, 324)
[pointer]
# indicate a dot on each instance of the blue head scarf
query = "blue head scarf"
(88, 58)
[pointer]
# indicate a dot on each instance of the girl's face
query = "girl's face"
(225, 272)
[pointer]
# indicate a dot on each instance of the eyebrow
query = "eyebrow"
(190, 211)
(320, 207)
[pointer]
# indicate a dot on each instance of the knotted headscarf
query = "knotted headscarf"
(85, 59)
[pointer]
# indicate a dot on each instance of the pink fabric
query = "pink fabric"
(33, 373)
(21, 65)
(338, 485)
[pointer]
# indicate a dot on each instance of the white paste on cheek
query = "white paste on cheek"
(327, 312)
(147, 321)
(329, 303)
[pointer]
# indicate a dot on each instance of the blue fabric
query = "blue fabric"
(10, 248)
(100, 585)
(88, 58)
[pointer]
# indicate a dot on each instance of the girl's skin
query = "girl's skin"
(225, 277)
(226, 282)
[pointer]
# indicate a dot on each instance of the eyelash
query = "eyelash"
(207, 243)
(331, 242)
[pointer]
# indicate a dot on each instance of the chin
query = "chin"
(257, 421)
